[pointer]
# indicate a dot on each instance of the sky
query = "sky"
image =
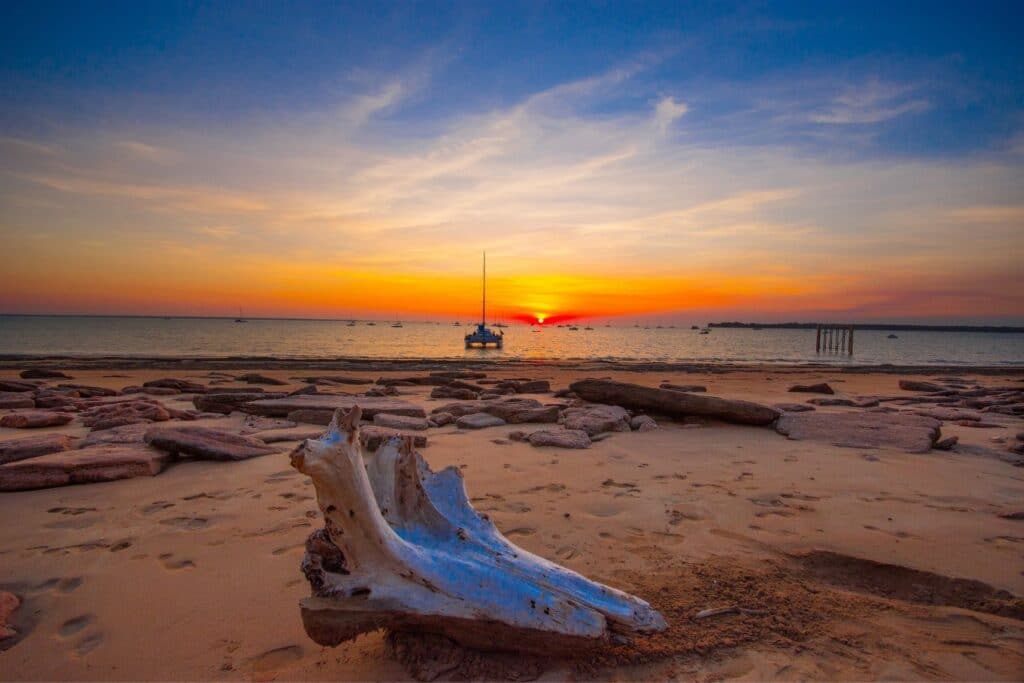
(849, 162)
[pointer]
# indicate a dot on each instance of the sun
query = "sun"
(540, 319)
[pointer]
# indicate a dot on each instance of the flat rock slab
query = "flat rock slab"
(256, 378)
(32, 419)
(42, 373)
(372, 436)
(206, 443)
(942, 413)
(122, 436)
(15, 400)
(478, 421)
(596, 418)
(34, 446)
(15, 385)
(685, 388)
(673, 403)
(917, 385)
(370, 405)
(513, 410)
(793, 407)
(912, 433)
(226, 402)
(560, 438)
(821, 388)
(416, 424)
(182, 385)
(82, 466)
(278, 435)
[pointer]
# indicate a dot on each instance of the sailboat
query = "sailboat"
(482, 336)
(240, 319)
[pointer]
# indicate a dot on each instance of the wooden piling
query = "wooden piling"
(833, 338)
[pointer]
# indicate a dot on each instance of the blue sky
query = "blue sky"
(951, 73)
(768, 139)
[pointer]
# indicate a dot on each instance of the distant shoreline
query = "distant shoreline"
(878, 327)
(11, 362)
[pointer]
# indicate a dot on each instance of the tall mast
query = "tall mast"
(483, 306)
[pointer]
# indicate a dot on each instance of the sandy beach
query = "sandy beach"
(851, 563)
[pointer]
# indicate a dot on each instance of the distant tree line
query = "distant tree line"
(875, 326)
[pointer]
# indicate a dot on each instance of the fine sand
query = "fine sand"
(851, 558)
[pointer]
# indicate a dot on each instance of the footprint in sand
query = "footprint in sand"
(685, 513)
(897, 534)
(288, 548)
(516, 507)
(156, 506)
(73, 523)
(70, 511)
(187, 523)
(69, 584)
(567, 552)
(88, 643)
(123, 544)
(521, 531)
(553, 488)
(1005, 542)
(170, 562)
(603, 509)
(73, 626)
(273, 660)
(799, 496)
(295, 497)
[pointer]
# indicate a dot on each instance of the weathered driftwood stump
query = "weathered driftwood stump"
(403, 549)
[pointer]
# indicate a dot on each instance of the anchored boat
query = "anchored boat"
(483, 337)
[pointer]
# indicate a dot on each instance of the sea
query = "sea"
(92, 336)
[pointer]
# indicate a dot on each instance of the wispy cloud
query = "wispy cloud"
(871, 102)
(552, 183)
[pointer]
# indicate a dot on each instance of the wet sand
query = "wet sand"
(850, 557)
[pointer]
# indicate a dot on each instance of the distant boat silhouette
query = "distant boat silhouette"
(240, 319)
(398, 324)
(482, 336)
(706, 330)
(694, 327)
(371, 324)
(893, 336)
(588, 328)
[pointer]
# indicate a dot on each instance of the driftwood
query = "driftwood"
(673, 403)
(403, 549)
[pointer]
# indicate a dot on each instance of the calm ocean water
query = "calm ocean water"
(94, 336)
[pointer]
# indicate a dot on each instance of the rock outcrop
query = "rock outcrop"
(206, 443)
(35, 445)
(82, 466)
(672, 403)
(912, 433)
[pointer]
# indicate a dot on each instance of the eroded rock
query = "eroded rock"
(82, 466)
(42, 373)
(13, 400)
(478, 421)
(34, 419)
(206, 443)
(416, 424)
(34, 446)
(673, 403)
(820, 388)
(912, 433)
(560, 438)
(596, 418)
